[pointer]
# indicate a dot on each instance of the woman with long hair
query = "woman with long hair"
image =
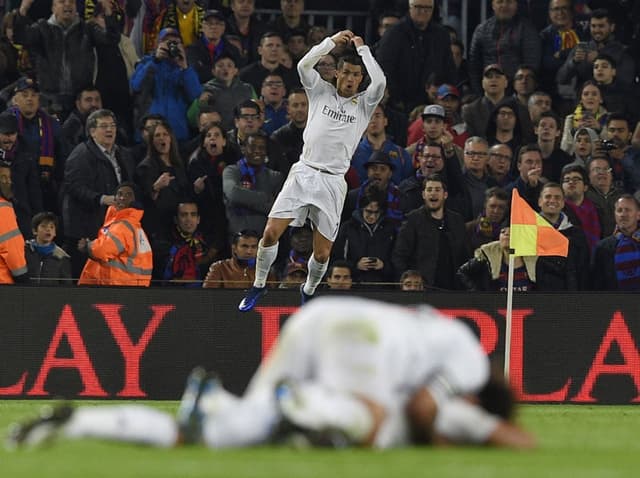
(589, 113)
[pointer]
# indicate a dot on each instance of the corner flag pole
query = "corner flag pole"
(507, 333)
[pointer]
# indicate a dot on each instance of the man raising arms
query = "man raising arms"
(315, 187)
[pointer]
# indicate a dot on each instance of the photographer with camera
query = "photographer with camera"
(166, 84)
(624, 157)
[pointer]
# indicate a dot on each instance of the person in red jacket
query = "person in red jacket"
(13, 266)
(121, 254)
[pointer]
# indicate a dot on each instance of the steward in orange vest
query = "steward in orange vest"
(13, 266)
(121, 254)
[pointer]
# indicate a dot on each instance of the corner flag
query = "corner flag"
(531, 234)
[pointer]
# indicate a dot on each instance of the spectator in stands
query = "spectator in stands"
(616, 258)
(248, 120)
(326, 67)
(411, 280)
(440, 228)
(88, 100)
(507, 39)
(589, 113)
(294, 275)
(297, 46)
(185, 16)
(270, 51)
(205, 173)
(553, 158)
(206, 115)
(366, 240)
(499, 164)
(212, 44)
(224, 91)
(379, 171)
(585, 143)
(339, 276)
(92, 172)
(562, 273)
(290, 19)
(238, 271)
(504, 125)
(408, 55)
(13, 266)
(48, 264)
(244, 24)
(121, 254)
(558, 40)
(602, 191)
(525, 83)
(616, 95)
(575, 183)
(625, 158)
(164, 183)
(300, 240)
(25, 179)
(579, 63)
(63, 49)
(448, 96)
(488, 270)
(316, 34)
(434, 130)
(13, 57)
(487, 226)
(474, 179)
(494, 85)
(462, 66)
(375, 139)
(528, 183)
(147, 123)
(288, 138)
(386, 20)
(250, 187)
(189, 254)
(273, 94)
(41, 134)
(539, 102)
(165, 83)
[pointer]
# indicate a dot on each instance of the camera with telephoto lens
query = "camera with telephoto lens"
(607, 145)
(173, 49)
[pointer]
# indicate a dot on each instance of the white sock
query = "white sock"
(315, 275)
(128, 423)
(244, 422)
(316, 407)
(264, 261)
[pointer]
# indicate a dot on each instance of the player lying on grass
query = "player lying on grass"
(345, 371)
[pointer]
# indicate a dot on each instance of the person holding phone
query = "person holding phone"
(588, 113)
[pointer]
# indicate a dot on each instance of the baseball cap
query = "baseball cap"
(213, 14)
(447, 90)
(8, 123)
(25, 83)
(165, 32)
(379, 157)
(433, 110)
(492, 67)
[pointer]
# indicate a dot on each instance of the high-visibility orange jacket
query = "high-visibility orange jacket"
(12, 261)
(121, 254)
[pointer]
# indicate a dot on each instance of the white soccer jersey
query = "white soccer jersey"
(336, 124)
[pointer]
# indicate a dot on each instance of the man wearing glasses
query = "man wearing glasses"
(411, 51)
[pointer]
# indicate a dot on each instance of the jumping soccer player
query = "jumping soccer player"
(315, 187)
(346, 365)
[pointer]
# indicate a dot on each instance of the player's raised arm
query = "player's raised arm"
(308, 75)
(375, 90)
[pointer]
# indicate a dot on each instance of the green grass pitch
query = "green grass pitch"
(574, 441)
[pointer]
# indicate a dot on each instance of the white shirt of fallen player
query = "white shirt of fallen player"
(377, 350)
(315, 187)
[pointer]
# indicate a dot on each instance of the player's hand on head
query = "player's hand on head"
(357, 41)
(343, 37)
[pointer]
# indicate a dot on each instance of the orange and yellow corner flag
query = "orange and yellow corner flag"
(531, 234)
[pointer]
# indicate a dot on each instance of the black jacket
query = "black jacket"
(408, 56)
(47, 270)
(88, 175)
(603, 271)
(417, 243)
(356, 240)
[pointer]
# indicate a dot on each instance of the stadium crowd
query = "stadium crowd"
(145, 143)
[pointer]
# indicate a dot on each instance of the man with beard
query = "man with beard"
(441, 229)
(625, 158)
(13, 265)
(88, 100)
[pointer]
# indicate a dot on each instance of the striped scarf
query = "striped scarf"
(588, 215)
(600, 116)
(627, 260)
(565, 40)
(46, 160)
(170, 19)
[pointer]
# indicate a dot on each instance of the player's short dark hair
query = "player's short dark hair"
(496, 397)
(352, 60)
(45, 216)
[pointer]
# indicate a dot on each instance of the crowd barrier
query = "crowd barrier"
(126, 343)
